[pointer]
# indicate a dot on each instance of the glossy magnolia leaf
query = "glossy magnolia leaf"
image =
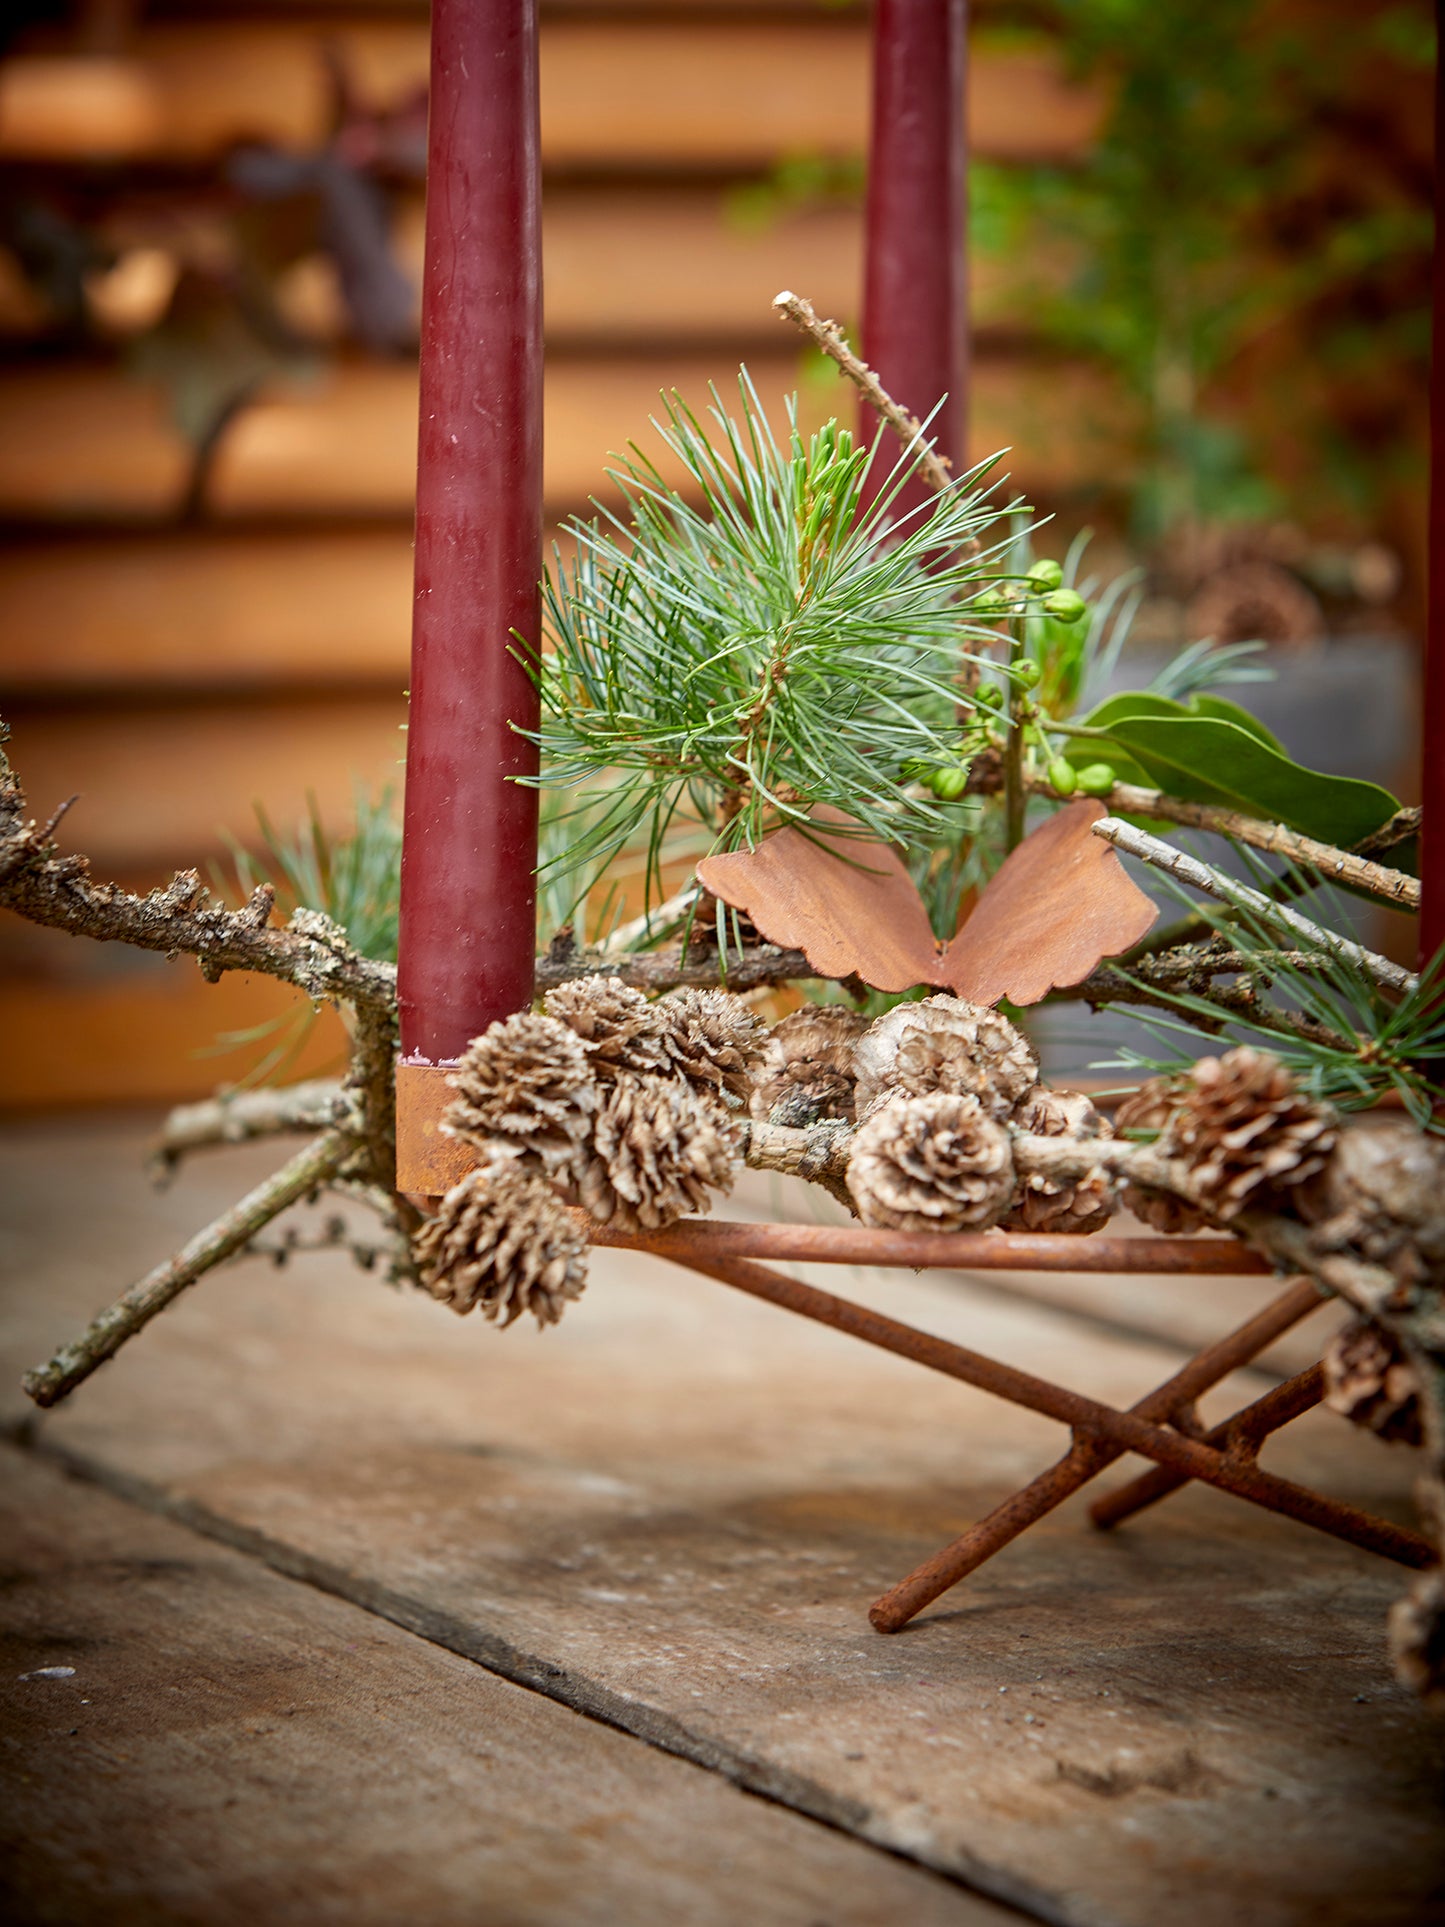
(1210, 757)
(1060, 904)
(847, 903)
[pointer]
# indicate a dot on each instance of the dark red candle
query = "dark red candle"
(915, 285)
(1432, 748)
(468, 886)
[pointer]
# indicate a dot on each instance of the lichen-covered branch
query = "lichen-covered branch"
(305, 1174)
(238, 1117)
(1187, 869)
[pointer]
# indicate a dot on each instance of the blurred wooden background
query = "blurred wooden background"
(178, 668)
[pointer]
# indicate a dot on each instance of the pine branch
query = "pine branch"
(230, 1233)
(1401, 827)
(1187, 869)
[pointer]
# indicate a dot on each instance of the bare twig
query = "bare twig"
(237, 1117)
(672, 969)
(932, 466)
(1186, 869)
(641, 929)
(1401, 827)
(234, 1229)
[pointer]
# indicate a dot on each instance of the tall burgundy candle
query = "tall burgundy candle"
(468, 888)
(915, 278)
(1432, 748)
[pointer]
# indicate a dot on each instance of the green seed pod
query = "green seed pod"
(1046, 575)
(1097, 779)
(1026, 673)
(989, 696)
(948, 784)
(1065, 605)
(991, 603)
(1063, 777)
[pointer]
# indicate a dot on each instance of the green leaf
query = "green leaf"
(1206, 753)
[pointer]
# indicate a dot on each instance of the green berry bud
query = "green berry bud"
(948, 784)
(990, 603)
(1097, 779)
(989, 696)
(1065, 605)
(1063, 778)
(1026, 673)
(1046, 575)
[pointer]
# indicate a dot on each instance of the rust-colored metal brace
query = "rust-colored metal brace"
(1161, 1426)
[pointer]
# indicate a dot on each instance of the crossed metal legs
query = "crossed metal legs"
(1162, 1426)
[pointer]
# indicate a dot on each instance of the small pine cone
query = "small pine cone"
(806, 1072)
(1075, 1206)
(618, 1028)
(502, 1242)
(944, 1044)
(1380, 1196)
(1370, 1382)
(658, 1147)
(527, 1082)
(713, 1039)
(1246, 1132)
(1150, 1109)
(932, 1163)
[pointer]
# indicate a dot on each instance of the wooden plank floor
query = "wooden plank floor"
(670, 1514)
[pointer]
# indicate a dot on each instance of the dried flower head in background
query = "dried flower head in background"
(527, 1082)
(503, 1243)
(658, 1149)
(932, 1163)
(949, 1045)
(806, 1071)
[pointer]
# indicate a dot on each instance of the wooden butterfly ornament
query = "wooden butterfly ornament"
(1060, 903)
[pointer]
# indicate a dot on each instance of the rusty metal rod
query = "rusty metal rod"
(1116, 1432)
(1247, 1429)
(846, 1244)
(1087, 1457)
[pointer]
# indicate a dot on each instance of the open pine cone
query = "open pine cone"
(658, 1148)
(526, 1081)
(1077, 1205)
(617, 1026)
(1150, 1109)
(1246, 1132)
(806, 1072)
(503, 1243)
(1382, 1197)
(932, 1163)
(712, 1038)
(1370, 1382)
(944, 1044)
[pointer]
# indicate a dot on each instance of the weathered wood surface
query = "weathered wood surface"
(673, 1510)
(234, 1747)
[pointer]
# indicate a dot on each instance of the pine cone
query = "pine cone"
(1074, 1206)
(806, 1072)
(618, 1028)
(944, 1044)
(526, 1081)
(932, 1163)
(1149, 1109)
(658, 1146)
(713, 1039)
(502, 1241)
(1370, 1382)
(1417, 1637)
(1245, 1132)
(1380, 1198)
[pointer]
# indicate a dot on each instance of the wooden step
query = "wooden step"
(86, 444)
(615, 94)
